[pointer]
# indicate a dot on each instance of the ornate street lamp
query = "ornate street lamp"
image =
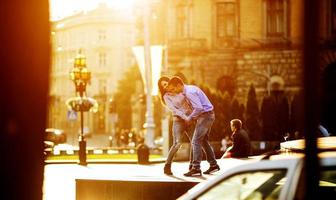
(81, 77)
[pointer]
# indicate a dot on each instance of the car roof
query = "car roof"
(323, 144)
(296, 148)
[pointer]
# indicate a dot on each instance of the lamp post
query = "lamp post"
(149, 124)
(81, 77)
(149, 59)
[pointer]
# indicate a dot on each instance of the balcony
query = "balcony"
(187, 46)
(226, 43)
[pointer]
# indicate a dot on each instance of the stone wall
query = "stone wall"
(246, 67)
(258, 67)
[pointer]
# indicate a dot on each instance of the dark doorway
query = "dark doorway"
(328, 111)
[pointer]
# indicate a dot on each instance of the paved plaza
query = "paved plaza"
(60, 179)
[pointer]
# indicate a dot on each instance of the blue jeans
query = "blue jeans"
(201, 140)
(179, 127)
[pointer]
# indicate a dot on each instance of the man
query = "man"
(240, 141)
(204, 116)
(180, 107)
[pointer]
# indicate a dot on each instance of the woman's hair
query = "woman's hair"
(161, 89)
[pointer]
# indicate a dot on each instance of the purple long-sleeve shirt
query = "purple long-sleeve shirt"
(178, 105)
(198, 100)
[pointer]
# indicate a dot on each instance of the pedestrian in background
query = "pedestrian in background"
(224, 143)
(241, 145)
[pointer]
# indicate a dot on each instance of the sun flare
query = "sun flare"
(63, 8)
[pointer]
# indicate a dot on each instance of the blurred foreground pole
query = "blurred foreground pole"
(149, 124)
(311, 96)
(24, 81)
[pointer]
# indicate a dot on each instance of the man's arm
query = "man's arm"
(196, 104)
(236, 142)
(173, 109)
(227, 153)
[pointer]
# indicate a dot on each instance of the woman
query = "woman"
(180, 108)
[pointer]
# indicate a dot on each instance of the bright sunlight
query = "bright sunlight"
(63, 8)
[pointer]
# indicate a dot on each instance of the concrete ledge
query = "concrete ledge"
(96, 151)
(260, 147)
(105, 152)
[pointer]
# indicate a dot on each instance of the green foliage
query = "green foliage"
(122, 97)
(227, 113)
(222, 107)
(157, 114)
(252, 103)
(253, 115)
(235, 110)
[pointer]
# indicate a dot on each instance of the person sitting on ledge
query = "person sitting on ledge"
(240, 141)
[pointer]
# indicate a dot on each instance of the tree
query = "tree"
(328, 98)
(225, 110)
(252, 115)
(235, 110)
(296, 116)
(227, 113)
(275, 116)
(157, 114)
(122, 97)
(222, 104)
(217, 130)
(216, 98)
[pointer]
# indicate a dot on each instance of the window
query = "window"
(102, 59)
(332, 19)
(226, 19)
(182, 13)
(276, 18)
(102, 86)
(327, 183)
(101, 35)
(249, 185)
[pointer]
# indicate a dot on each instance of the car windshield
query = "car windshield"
(248, 185)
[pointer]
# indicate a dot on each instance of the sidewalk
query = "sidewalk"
(60, 179)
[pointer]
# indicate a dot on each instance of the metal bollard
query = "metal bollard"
(143, 154)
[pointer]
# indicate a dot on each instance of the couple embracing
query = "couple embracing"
(192, 114)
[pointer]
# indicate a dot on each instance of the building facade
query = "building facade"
(230, 44)
(105, 36)
(225, 44)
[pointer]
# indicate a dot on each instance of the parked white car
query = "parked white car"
(279, 177)
(54, 137)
